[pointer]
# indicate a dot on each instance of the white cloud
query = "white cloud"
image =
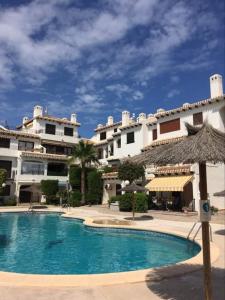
(173, 93)
(39, 37)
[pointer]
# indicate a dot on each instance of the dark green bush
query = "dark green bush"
(75, 177)
(94, 181)
(75, 199)
(141, 202)
(114, 199)
(49, 187)
(52, 200)
(125, 202)
(10, 201)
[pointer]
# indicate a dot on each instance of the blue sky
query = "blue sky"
(97, 58)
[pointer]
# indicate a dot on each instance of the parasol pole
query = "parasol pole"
(205, 234)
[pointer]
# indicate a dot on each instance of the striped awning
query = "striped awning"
(169, 183)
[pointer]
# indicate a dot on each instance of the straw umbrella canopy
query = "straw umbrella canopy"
(203, 144)
(131, 188)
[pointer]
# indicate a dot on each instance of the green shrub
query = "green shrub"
(141, 202)
(52, 200)
(49, 187)
(114, 199)
(75, 199)
(94, 181)
(125, 202)
(10, 201)
(75, 177)
(2, 179)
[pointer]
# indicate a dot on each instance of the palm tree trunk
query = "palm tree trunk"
(82, 184)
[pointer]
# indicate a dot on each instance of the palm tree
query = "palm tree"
(85, 153)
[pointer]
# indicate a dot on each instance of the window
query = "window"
(55, 149)
(57, 169)
(111, 150)
(103, 135)
(130, 137)
(6, 165)
(115, 129)
(118, 143)
(68, 131)
(170, 126)
(100, 153)
(4, 143)
(25, 146)
(32, 168)
(197, 118)
(118, 189)
(50, 129)
(154, 134)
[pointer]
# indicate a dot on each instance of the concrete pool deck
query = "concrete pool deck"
(146, 284)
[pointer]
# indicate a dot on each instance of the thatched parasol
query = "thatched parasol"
(203, 144)
(219, 194)
(131, 188)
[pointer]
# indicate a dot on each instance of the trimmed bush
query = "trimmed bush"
(49, 187)
(94, 181)
(114, 199)
(2, 179)
(125, 202)
(141, 202)
(52, 200)
(75, 199)
(10, 201)
(75, 177)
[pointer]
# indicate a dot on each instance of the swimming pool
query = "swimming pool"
(50, 244)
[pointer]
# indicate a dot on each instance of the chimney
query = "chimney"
(25, 119)
(141, 117)
(38, 111)
(125, 118)
(110, 120)
(216, 86)
(73, 118)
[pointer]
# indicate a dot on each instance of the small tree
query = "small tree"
(130, 171)
(2, 179)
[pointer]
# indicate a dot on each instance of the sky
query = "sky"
(98, 58)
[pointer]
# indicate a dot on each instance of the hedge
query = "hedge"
(94, 182)
(75, 199)
(125, 202)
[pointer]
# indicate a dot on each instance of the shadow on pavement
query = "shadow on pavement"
(140, 218)
(220, 232)
(185, 283)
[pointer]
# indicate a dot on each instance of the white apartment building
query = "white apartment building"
(37, 150)
(130, 136)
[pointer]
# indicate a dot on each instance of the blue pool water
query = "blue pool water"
(50, 244)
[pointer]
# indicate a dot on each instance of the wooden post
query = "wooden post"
(205, 236)
(133, 206)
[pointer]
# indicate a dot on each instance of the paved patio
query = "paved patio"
(184, 287)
